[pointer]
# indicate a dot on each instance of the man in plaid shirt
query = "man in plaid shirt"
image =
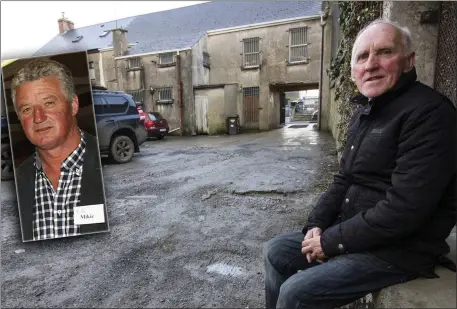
(64, 172)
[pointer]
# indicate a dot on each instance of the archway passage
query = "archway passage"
(298, 102)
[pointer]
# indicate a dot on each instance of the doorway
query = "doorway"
(251, 105)
(201, 114)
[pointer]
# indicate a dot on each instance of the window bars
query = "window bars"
(206, 60)
(298, 45)
(91, 71)
(165, 95)
(251, 52)
(134, 63)
(138, 96)
(166, 58)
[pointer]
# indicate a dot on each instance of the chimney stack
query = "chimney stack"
(65, 24)
(120, 44)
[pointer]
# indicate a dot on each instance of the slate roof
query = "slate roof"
(179, 28)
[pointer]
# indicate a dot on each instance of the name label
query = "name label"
(89, 214)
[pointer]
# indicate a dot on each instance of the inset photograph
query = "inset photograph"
(55, 151)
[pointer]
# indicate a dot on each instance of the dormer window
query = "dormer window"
(104, 33)
(78, 38)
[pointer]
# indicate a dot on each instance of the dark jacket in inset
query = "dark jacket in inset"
(395, 193)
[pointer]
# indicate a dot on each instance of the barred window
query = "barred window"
(251, 52)
(206, 60)
(137, 95)
(165, 95)
(166, 58)
(251, 92)
(91, 71)
(134, 63)
(298, 45)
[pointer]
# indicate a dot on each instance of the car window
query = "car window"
(98, 105)
(151, 116)
(158, 116)
(116, 104)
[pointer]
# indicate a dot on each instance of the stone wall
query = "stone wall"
(424, 36)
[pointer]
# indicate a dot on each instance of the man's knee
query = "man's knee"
(273, 249)
(270, 248)
(281, 253)
(294, 293)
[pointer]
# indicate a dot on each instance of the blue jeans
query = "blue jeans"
(338, 282)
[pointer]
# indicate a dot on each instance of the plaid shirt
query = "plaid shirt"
(53, 210)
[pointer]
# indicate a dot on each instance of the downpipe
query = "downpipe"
(179, 85)
(324, 14)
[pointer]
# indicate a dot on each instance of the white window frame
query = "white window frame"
(251, 41)
(206, 63)
(160, 93)
(91, 71)
(164, 55)
(304, 44)
(137, 94)
(134, 63)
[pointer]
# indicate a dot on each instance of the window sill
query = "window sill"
(252, 67)
(134, 69)
(167, 65)
(164, 101)
(297, 63)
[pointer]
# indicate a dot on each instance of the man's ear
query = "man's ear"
(410, 60)
(74, 105)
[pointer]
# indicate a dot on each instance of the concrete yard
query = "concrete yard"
(188, 218)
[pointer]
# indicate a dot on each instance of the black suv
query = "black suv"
(119, 129)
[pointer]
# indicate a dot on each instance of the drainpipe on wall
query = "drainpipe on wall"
(324, 14)
(143, 88)
(178, 77)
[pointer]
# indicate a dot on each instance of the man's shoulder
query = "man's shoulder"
(27, 166)
(92, 155)
(89, 137)
(91, 141)
(422, 95)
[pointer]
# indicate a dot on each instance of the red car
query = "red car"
(156, 125)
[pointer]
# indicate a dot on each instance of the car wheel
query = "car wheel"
(160, 136)
(122, 149)
(7, 163)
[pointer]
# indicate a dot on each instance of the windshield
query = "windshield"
(155, 116)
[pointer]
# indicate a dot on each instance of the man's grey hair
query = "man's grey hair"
(404, 31)
(42, 67)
